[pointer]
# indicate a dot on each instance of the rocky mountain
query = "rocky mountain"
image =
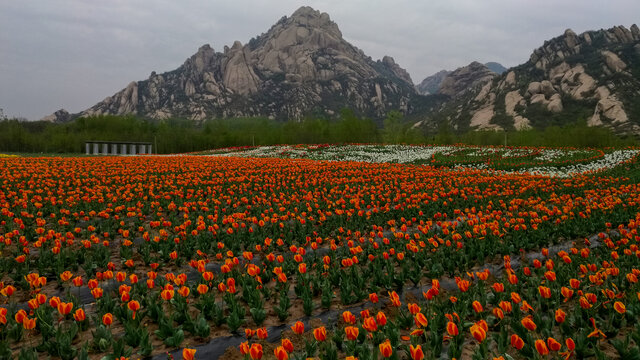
(59, 116)
(431, 84)
(592, 77)
(301, 66)
(461, 80)
(471, 74)
(496, 67)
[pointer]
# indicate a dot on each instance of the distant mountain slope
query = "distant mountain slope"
(463, 79)
(593, 77)
(301, 66)
(473, 72)
(431, 84)
(496, 67)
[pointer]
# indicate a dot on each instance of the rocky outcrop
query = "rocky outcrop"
(301, 65)
(592, 76)
(613, 61)
(577, 83)
(511, 100)
(465, 78)
(60, 116)
(431, 84)
(481, 119)
(399, 72)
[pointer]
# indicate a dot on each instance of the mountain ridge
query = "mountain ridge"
(301, 65)
(592, 77)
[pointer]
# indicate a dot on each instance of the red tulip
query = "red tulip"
(255, 351)
(541, 347)
(517, 342)
(416, 352)
(281, 353)
(385, 348)
(320, 334)
(107, 319)
(452, 329)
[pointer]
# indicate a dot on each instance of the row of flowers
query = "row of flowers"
(131, 250)
(540, 161)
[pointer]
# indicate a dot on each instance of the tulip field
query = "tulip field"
(322, 251)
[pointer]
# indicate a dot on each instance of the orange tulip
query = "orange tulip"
(498, 287)
(287, 345)
(506, 306)
(298, 327)
(41, 298)
(65, 308)
(497, 312)
(370, 324)
(184, 291)
(20, 316)
(413, 308)
(29, 324)
(167, 294)
(302, 268)
(421, 320)
(33, 304)
(395, 299)
(553, 344)
(550, 275)
(373, 297)
(452, 329)
(544, 291)
(566, 292)
(202, 289)
(188, 354)
(351, 332)
(244, 348)
(528, 323)
(541, 347)
(574, 283)
(381, 318)
(560, 316)
(281, 353)
(54, 301)
(517, 342)
(463, 284)
(134, 306)
(416, 352)
(478, 332)
(255, 351)
(79, 315)
(65, 276)
(348, 317)
(584, 303)
(97, 293)
(8, 290)
(477, 307)
(320, 334)
(619, 307)
(262, 333)
(385, 348)
(107, 319)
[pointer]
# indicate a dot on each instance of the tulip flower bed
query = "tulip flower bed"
(142, 256)
(541, 161)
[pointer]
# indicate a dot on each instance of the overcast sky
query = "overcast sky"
(73, 53)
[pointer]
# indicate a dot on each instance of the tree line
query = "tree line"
(182, 135)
